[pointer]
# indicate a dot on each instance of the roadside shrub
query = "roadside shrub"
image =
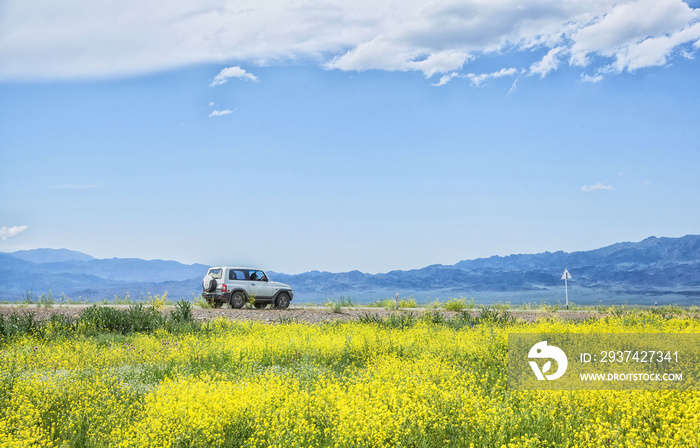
(157, 302)
(390, 304)
(286, 320)
(486, 315)
(336, 307)
(18, 324)
(249, 303)
(434, 317)
(58, 325)
(660, 312)
(182, 311)
(46, 300)
(370, 318)
(400, 321)
(434, 305)
(408, 303)
(126, 300)
(200, 302)
(378, 303)
(98, 319)
(395, 320)
(136, 318)
(456, 304)
(500, 306)
(347, 303)
(495, 316)
(672, 309)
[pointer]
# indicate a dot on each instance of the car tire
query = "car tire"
(237, 300)
(259, 306)
(208, 283)
(282, 301)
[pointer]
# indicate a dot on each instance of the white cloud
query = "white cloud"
(45, 39)
(232, 72)
(9, 232)
(637, 34)
(548, 63)
(653, 51)
(477, 80)
(384, 54)
(218, 113)
(513, 88)
(588, 78)
(445, 79)
(597, 187)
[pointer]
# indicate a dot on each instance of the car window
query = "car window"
(215, 273)
(236, 274)
(257, 275)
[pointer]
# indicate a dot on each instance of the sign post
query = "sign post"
(566, 276)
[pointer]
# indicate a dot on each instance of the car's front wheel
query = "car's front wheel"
(282, 301)
(237, 300)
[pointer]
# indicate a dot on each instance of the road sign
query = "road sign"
(566, 276)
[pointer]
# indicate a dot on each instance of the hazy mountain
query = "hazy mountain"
(129, 269)
(621, 255)
(79, 275)
(656, 269)
(51, 255)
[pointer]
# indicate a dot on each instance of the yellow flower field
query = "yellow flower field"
(242, 384)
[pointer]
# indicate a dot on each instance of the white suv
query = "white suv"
(239, 285)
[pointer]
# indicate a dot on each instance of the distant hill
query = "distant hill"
(663, 270)
(624, 256)
(51, 255)
(79, 275)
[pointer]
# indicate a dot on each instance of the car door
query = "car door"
(260, 285)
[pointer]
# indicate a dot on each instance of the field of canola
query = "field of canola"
(354, 384)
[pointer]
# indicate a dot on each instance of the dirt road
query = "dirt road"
(301, 314)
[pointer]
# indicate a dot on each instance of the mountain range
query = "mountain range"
(663, 270)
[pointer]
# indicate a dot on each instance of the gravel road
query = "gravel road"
(301, 314)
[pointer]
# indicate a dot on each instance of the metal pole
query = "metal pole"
(397, 300)
(566, 285)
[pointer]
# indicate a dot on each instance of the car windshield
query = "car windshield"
(215, 273)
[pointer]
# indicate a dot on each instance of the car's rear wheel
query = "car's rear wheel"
(237, 300)
(282, 301)
(259, 306)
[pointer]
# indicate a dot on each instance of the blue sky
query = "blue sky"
(324, 135)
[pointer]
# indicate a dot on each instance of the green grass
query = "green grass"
(98, 319)
(337, 305)
(390, 304)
